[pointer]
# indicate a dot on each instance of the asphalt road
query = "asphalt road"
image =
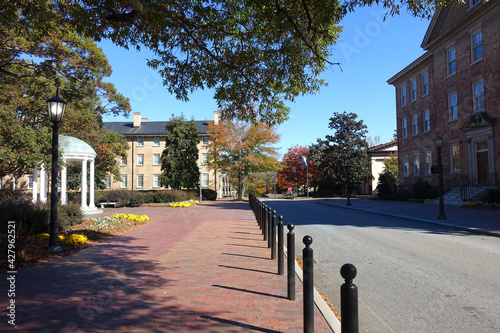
(412, 277)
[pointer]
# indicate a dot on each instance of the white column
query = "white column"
(35, 185)
(64, 185)
(84, 184)
(91, 203)
(43, 184)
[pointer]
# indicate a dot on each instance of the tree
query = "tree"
(391, 165)
(255, 55)
(245, 148)
(294, 173)
(179, 164)
(31, 66)
(347, 141)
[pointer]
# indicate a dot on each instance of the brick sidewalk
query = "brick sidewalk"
(201, 269)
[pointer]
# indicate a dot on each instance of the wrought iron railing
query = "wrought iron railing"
(473, 187)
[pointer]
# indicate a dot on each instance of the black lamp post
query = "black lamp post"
(347, 161)
(56, 106)
(438, 143)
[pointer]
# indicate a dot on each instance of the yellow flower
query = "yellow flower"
(61, 237)
(75, 239)
(42, 236)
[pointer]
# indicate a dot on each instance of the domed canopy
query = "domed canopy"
(73, 147)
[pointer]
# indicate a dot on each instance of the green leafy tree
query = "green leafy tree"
(347, 141)
(255, 55)
(391, 165)
(179, 164)
(31, 66)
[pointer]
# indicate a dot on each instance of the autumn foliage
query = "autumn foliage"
(294, 172)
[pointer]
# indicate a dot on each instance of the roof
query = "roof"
(72, 145)
(382, 147)
(149, 128)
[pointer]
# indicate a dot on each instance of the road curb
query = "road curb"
(454, 226)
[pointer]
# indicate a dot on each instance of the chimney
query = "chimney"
(145, 120)
(216, 117)
(137, 119)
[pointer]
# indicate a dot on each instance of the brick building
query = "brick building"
(453, 90)
(141, 169)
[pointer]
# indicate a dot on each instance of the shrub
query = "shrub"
(386, 184)
(423, 190)
(208, 194)
(30, 218)
(69, 215)
(137, 198)
(75, 239)
(492, 196)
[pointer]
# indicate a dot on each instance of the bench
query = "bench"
(111, 204)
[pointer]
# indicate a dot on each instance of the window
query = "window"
(455, 158)
(425, 84)
(404, 133)
(453, 105)
(140, 142)
(156, 142)
(403, 96)
(474, 2)
(140, 181)
(123, 183)
(156, 159)
(427, 120)
(477, 46)
(107, 181)
(478, 96)
(413, 90)
(428, 163)
(406, 166)
(204, 140)
(204, 158)
(414, 125)
(140, 159)
(452, 63)
(416, 165)
(156, 180)
(1, 182)
(30, 182)
(204, 179)
(123, 160)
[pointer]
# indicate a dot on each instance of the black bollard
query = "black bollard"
(308, 276)
(259, 215)
(273, 235)
(264, 219)
(349, 300)
(281, 249)
(290, 244)
(269, 227)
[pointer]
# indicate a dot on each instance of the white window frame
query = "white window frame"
(427, 120)
(140, 181)
(416, 165)
(140, 141)
(205, 180)
(204, 140)
(156, 142)
(123, 182)
(204, 159)
(454, 158)
(414, 124)
(156, 180)
(413, 93)
(404, 132)
(428, 163)
(123, 161)
(473, 3)
(140, 159)
(425, 84)
(451, 66)
(453, 105)
(156, 159)
(476, 48)
(107, 181)
(403, 96)
(30, 182)
(478, 95)
(406, 167)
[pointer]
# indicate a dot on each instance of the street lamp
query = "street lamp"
(56, 106)
(347, 161)
(438, 143)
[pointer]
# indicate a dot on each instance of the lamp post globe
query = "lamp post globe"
(56, 107)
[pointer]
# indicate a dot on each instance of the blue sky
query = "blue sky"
(369, 50)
